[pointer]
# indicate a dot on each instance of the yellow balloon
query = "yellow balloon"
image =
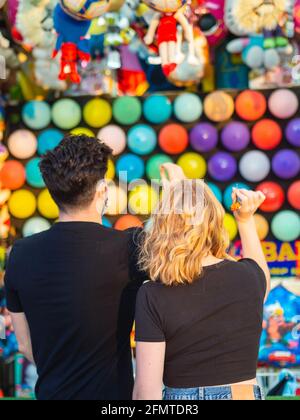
(194, 165)
(117, 201)
(219, 106)
(111, 172)
(47, 206)
(231, 226)
(83, 131)
(143, 200)
(262, 226)
(22, 204)
(97, 113)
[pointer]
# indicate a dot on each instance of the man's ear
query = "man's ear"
(102, 190)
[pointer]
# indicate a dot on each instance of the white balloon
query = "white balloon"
(255, 166)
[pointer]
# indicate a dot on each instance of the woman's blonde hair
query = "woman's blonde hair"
(188, 226)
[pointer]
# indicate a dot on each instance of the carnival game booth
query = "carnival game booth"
(225, 107)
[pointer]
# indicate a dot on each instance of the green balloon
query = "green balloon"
(127, 110)
(286, 226)
(66, 114)
(154, 164)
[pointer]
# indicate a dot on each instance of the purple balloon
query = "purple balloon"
(222, 167)
(236, 136)
(204, 137)
(292, 132)
(286, 164)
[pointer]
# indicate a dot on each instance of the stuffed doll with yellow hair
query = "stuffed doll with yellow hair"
(265, 28)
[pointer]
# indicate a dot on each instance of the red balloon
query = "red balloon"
(275, 196)
(294, 195)
(128, 222)
(267, 134)
(12, 175)
(173, 139)
(250, 105)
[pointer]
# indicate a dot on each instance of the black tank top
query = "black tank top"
(212, 328)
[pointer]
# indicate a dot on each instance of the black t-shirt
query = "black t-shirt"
(77, 286)
(212, 327)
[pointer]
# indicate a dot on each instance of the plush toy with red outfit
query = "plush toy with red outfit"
(164, 27)
(72, 43)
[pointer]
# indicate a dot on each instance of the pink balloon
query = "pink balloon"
(22, 144)
(114, 137)
(283, 103)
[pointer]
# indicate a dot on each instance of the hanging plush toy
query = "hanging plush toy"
(265, 28)
(72, 43)
(86, 9)
(211, 19)
(164, 27)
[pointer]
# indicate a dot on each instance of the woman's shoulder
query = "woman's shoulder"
(248, 270)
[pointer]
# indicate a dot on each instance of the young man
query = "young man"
(71, 290)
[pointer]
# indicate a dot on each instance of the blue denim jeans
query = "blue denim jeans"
(223, 393)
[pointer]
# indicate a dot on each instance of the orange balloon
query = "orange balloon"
(12, 175)
(250, 105)
(267, 134)
(262, 226)
(219, 106)
(173, 139)
(128, 222)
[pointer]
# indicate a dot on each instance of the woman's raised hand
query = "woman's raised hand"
(248, 203)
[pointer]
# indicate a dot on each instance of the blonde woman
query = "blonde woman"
(199, 319)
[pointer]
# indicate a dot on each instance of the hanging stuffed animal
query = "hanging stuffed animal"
(265, 28)
(163, 26)
(211, 19)
(8, 57)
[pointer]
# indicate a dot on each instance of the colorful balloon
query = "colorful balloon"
(111, 171)
(66, 114)
(36, 114)
(106, 223)
(117, 201)
(22, 144)
(153, 166)
(83, 131)
(47, 206)
(142, 139)
(219, 106)
(227, 197)
(49, 140)
(292, 132)
(173, 139)
(255, 166)
(3, 153)
(262, 226)
(267, 134)
(294, 195)
(230, 225)
(157, 109)
(127, 110)
(250, 105)
(286, 226)
(34, 226)
(22, 204)
(143, 200)
(128, 222)
(130, 167)
(114, 137)
(222, 167)
(12, 175)
(204, 137)
(216, 190)
(188, 107)
(97, 113)
(283, 103)
(286, 164)
(193, 165)
(33, 174)
(236, 136)
(275, 196)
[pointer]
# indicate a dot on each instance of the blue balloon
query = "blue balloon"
(106, 223)
(130, 167)
(216, 190)
(157, 109)
(35, 225)
(33, 174)
(188, 107)
(36, 114)
(227, 199)
(142, 139)
(49, 140)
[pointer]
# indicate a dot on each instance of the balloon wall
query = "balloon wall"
(246, 139)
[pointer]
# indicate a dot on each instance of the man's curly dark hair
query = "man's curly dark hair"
(72, 170)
